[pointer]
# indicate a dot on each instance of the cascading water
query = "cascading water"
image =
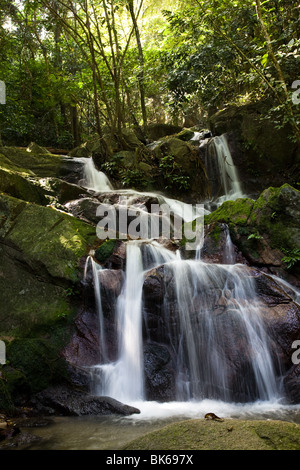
(96, 270)
(209, 308)
(216, 308)
(221, 171)
(124, 378)
(93, 179)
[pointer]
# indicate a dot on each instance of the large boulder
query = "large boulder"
(267, 230)
(68, 402)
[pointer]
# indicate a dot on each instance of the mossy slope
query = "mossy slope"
(41, 249)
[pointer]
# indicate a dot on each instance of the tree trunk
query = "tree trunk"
(141, 78)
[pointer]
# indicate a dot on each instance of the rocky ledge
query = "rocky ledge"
(62, 400)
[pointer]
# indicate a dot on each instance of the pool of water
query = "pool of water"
(112, 433)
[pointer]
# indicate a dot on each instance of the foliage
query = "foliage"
(255, 236)
(76, 68)
(173, 174)
(133, 178)
(291, 258)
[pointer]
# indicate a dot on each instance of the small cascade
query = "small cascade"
(229, 250)
(92, 178)
(221, 171)
(96, 270)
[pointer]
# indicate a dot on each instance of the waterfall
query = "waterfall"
(222, 171)
(215, 335)
(216, 308)
(211, 309)
(96, 270)
(92, 178)
(124, 378)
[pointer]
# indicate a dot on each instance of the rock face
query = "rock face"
(231, 434)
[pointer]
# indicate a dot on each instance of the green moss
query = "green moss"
(10, 208)
(276, 213)
(48, 237)
(236, 212)
(20, 187)
(272, 219)
(231, 434)
(38, 360)
(105, 250)
(215, 233)
(6, 403)
(31, 162)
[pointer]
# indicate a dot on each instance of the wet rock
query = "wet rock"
(291, 384)
(68, 402)
(22, 440)
(83, 346)
(9, 431)
(218, 247)
(159, 373)
(84, 209)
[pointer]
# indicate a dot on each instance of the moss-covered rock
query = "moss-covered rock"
(276, 213)
(266, 229)
(105, 250)
(46, 237)
(229, 434)
(180, 150)
(6, 402)
(30, 162)
(40, 252)
(185, 135)
(29, 298)
(21, 187)
(235, 212)
(156, 131)
(38, 362)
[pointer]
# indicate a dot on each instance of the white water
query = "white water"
(92, 178)
(204, 337)
(97, 181)
(124, 379)
(204, 358)
(96, 270)
(220, 165)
